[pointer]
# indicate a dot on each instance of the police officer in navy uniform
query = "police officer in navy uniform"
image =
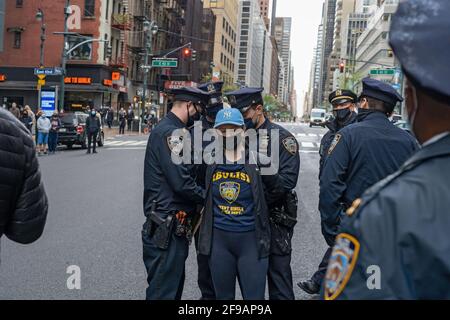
(215, 104)
(397, 235)
(170, 197)
(362, 154)
(344, 107)
(282, 200)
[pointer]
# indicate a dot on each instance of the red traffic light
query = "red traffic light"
(341, 67)
(187, 52)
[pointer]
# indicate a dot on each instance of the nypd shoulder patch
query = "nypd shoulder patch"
(335, 142)
(290, 144)
(175, 144)
(342, 262)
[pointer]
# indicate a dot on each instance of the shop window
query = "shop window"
(19, 3)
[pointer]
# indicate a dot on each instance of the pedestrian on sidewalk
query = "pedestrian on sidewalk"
(43, 126)
(27, 121)
(93, 126)
(109, 117)
(54, 131)
(130, 118)
(122, 119)
(15, 111)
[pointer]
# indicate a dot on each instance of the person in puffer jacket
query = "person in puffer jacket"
(23, 201)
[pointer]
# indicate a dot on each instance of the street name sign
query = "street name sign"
(165, 63)
(48, 71)
(382, 72)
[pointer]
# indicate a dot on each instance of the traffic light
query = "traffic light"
(194, 55)
(187, 52)
(342, 67)
(108, 51)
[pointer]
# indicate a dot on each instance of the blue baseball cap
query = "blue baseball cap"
(229, 116)
(380, 91)
(420, 39)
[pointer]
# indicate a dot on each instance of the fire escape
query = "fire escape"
(124, 23)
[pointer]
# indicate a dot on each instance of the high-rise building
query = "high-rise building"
(328, 18)
(283, 39)
(264, 6)
(225, 38)
(254, 60)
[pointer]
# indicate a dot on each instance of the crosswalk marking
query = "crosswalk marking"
(137, 145)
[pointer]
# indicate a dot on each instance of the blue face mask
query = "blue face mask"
(249, 124)
(93, 113)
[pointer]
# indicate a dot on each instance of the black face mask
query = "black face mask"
(192, 119)
(342, 115)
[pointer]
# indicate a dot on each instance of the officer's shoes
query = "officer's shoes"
(309, 287)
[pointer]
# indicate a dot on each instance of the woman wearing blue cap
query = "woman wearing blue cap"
(235, 232)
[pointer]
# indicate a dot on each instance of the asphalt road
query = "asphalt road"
(95, 220)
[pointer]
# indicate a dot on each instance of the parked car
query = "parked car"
(73, 130)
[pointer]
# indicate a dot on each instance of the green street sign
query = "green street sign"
(380, 72)
(165, 63)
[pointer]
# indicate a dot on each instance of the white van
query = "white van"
(317, 117)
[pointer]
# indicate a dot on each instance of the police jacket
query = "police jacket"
(401, 226)
(360, 155)
(261, 213)
(92, 124)
(23, 201)
(286, 178)
(328, 138)
(169, 184)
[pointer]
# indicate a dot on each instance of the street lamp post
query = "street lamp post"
(40, 18)
(67, 13)
(150, 29)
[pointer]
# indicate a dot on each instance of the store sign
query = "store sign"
(170, 85)
(2, 78)
(48, 102)
(107, 83)
(115, 76)
(77, 80)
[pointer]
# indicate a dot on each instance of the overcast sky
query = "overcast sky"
(306, 15)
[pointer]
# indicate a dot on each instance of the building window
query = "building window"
(17, 40)
(89, 8)
(19, 3)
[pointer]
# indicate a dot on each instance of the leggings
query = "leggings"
(234, 255)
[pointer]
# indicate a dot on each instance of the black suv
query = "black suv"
(73, 130)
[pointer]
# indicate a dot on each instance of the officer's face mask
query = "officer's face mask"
(341, 115)
(251, 118)
(93, 113)
(192, 116)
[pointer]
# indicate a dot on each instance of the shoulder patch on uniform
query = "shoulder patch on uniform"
(351, 211)
(175, 144)
(290, 144)
(335, 142)
(342, 262)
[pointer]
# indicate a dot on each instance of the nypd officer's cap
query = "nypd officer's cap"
(420, 38)
(342, 96)
(380, 91)
(214, 89)
(244, 98)
(190, 94)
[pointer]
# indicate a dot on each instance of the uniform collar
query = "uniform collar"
(371, 116)
(177, 121)
(436, 139)
(265, 125)
(437, 148)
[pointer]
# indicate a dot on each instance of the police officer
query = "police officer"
(398, 231)
(362, 154)
(215, 104)
(282, 200)
(344, 107)
(170, 196)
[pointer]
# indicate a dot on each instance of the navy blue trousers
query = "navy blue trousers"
(322, 270)
(234, 255)
(165, 268)
(280, 278)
